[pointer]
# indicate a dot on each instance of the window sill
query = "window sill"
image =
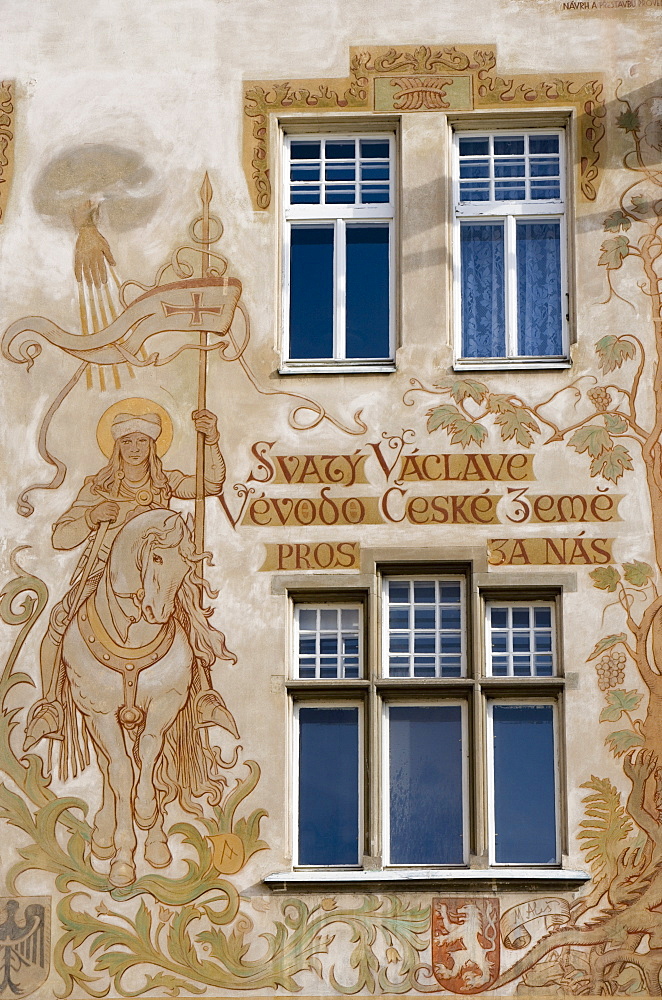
(430, 879)
(510, 364)
(337, 368)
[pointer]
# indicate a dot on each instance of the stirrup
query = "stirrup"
(210, 710)
(45, 721)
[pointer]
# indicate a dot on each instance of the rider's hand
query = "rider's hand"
(106, 511)
(205, 423)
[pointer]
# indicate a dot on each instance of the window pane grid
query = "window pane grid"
(335, 171)
(425, 628)
(522, 167)
(520, 640)
(328, 642)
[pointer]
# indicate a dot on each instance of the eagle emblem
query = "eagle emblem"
(24, 944)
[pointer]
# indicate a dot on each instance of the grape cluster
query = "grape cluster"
(600, 398)
(611, 671)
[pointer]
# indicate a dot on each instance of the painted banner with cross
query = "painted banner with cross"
(186, 306)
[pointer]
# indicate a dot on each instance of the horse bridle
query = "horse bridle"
(125, 660)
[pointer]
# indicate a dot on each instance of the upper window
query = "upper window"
(510, 247)
(338, 234)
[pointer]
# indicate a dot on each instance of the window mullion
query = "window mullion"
(340, 270)
(511, 286)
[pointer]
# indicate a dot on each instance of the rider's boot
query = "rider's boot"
(45, 720)
(210, 710)
(46, 717)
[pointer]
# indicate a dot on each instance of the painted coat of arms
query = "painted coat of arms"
(465, 943)
(24, 944)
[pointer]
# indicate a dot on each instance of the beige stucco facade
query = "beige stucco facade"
(144, 215)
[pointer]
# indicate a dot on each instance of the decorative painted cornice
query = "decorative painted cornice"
(421, 78)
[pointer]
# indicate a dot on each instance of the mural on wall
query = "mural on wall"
(138, 607)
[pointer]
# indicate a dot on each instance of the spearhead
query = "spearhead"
(206, 192)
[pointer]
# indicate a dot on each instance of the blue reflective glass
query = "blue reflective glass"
(449, 593)
(499, 642)
(335, 150)
(328, 786)
(451, 666)
(311, 292)
(399, 642)
(542, 617)
(424, 642)
(544, 666)
(509, 168)
(398, 617)
(424, 617)
(543, 642)
(499, 666)
(483, 311)
(471, 146)
(304, 149)
(499, 617)
(450, 618)
(425, 775)
(367, 292)
(524, 792)
(339, 172)
(520, 617)
(522, 666)
(512, 145)
(543, 143)
(424, 592)
(521, 642)
(375, 149)
(539, 316)
(398, 592)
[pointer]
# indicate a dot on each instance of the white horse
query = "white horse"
(136, 657)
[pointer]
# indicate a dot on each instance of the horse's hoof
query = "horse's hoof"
(101, 852)
(121, 874)
(158, 854)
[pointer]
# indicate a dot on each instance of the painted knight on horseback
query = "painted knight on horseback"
(133, 482)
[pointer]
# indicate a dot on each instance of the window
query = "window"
(431, 721)
(510, 243)
(338, 234)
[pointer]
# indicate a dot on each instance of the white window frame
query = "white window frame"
(431, 702)
(510, 212)
(337, 217)
(329, 704)
(490, 702)
(423, 578)
(523, 603)
(323, 606)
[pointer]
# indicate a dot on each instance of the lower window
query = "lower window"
(443, 721)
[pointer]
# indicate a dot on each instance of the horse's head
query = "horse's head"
(153, 551)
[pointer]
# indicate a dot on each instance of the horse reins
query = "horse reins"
(127, 661)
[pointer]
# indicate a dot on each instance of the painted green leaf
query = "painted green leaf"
(607, 642)
(463, 388)
(623, 740)
(518, 424)
(593, 439)
(637, 573)
(499, 403)
(606, 825)
(616, 221)
(629, 121)
(612, 352)
(615, 424)
(467, 432)
(618, 702)
(612, 464)
(442, 416)
(614, 252)
(605, 578)
(640, 204)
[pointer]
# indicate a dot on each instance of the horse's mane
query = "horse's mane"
(190, 767)
(207, 642)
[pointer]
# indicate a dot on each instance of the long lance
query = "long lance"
(206, 194)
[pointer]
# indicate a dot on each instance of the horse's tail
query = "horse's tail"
(187, 771)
